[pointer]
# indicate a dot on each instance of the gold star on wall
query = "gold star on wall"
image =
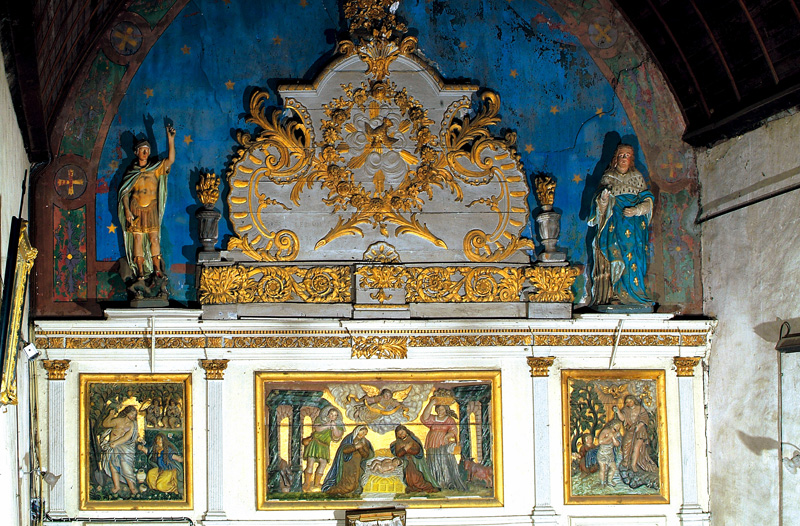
(112, 228)
(528, 148)
(187, 139)
(113, 165)
(513, 73)
(599, 112)
(230, 84)
(577, 178)
(462, 45)
(186, 49)
(553, 109)
(303, 3)
(226, 2)
(277, 41)
(148, 92)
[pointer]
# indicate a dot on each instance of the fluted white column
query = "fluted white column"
(56, 374)
(543, 512)
(690, 512)
(214, 446)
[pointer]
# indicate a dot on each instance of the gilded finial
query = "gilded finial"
(545, 190)
(208, 189)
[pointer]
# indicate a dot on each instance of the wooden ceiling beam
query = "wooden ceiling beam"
(683, 57)
(760, 42)
(719, 51)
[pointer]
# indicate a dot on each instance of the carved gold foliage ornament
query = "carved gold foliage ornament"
(380, 347)
(215, 369)
(540, 365)
(545, 190)
(382, 277)
(208, 189)
(553, 284)
(685, 366)
(269, 284)
(56, 369)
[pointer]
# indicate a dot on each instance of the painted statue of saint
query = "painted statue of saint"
(621, 210)
(142, 197)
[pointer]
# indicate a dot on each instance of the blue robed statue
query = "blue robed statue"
(621, 210)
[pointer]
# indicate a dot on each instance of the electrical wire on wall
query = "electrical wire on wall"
(34, 450)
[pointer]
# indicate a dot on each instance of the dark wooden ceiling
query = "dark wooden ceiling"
(730, 63)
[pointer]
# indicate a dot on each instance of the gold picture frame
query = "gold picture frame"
(135, 441)
(416, 439)
(615, 437)
(18, 266)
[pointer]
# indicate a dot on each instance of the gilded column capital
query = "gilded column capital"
(685, 366)
(540, 365)
(215, 369)
(56, 369)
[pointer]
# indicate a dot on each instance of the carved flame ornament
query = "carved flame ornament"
(381, 159)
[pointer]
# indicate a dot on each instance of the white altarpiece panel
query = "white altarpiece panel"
(177, 344)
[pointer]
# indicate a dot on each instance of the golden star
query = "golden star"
(553, 109)
(187, 139)
(113, 165)
(186, 49)
(303, 3)
(112, 228)
(230, 84)
(148, 92)
(529, 148)
(577, 178)
(463, 45)
(277, 41)
(599, 112)
(513, 73)
(677, 249)
(226, 2)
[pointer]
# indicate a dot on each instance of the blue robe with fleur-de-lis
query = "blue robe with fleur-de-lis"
(624, 243)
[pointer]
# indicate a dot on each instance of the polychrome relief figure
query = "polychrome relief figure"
(142, 199)
(118, 448)
(349, 464)
(621, 210)
(327, 427)
(166, 471)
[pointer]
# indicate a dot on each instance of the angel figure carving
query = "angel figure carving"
(380, 408)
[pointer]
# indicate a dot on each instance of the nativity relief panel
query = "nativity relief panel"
(423, 439)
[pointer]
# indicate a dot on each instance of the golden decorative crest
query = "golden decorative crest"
(56, 369)
(380, 347)
(215, 369)
(384, 157)
(540, 365)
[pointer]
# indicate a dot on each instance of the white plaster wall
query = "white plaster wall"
(751, 277)
(13, 163)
